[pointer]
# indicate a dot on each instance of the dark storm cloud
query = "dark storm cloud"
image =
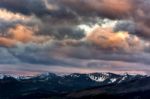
(65, 8)
(68, 9)
(40, 8)
(24, 6)
(138, 21)
(136, 11)
(81, 11)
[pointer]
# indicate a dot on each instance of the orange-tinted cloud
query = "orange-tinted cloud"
(117, 7)
(6, 42)
(23, 34)
(105, 38)
(10, 16)
(106, 8)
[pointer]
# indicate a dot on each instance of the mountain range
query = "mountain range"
(75, 86)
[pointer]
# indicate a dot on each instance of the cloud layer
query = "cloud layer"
(85, 35)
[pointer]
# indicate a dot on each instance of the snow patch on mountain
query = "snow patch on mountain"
(113, 80)
(97, 79)
(1, 76)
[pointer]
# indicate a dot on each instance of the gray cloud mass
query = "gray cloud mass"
(82, 35)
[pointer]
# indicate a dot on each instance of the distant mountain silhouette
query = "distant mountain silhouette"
(75, 85)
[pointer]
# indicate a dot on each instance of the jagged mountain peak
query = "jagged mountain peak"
(101, 78)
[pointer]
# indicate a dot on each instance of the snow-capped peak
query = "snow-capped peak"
(98, 79)
(104, 78)
(17, 77)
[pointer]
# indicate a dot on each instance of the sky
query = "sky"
(74, 36)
